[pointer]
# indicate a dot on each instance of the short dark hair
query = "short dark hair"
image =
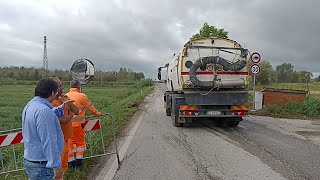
(74, 83)
(54, 78)
(45, 87)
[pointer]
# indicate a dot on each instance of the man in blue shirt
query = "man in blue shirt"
(42, 135)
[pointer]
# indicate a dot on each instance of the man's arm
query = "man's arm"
(89, 106)
(73, 108)
(48, 129)
(66, 118)
(58, 111)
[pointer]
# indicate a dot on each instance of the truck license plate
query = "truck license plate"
(213, 112)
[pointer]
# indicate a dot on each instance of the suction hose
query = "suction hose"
(226, 65)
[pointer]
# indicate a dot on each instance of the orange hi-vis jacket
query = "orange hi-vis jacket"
(67, 133)
(83, 104)
(65, 127)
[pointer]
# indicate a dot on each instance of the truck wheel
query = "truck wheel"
(175, 121)
(168, 111)
(188, 122)
(233, 123)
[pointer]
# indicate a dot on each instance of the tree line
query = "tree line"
(283, 73)
(34, 74)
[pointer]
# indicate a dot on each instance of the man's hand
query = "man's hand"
(98, 114)
(67, 103)
(58, 173)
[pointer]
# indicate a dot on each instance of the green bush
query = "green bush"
(310, 108)
(144, 83)
(273, 109)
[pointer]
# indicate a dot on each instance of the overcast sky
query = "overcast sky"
(144, 34)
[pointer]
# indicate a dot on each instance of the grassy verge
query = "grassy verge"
(120, 100)
(310, 109)
(297, 86)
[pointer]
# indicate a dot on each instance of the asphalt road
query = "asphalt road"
(260, 148)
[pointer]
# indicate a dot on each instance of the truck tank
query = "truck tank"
(207, 79)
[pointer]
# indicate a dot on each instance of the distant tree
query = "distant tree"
(124, 74)
(285, 73)
(304, 76)
(267, 74)
(210, 31)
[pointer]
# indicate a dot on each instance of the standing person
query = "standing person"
(65, 121)
(78, 133)
(42, 135)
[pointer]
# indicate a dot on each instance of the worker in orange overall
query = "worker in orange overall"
(78, 132)
(65, 121)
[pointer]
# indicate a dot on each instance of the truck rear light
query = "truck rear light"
(240, 113)
(188, 113)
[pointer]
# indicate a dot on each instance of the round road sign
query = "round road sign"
(255, 57)
(255, 69)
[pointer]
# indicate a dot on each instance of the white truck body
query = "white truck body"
(207, 79)
(178, 72)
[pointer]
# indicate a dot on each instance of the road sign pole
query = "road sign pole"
(254, 93)
(255, 70)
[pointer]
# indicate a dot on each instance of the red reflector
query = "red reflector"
(241, 113)
(187, 113)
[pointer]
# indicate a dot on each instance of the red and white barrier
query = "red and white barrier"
(16, 138)
(9, 139)
(92, 125)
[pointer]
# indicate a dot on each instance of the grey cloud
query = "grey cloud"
(143, 35)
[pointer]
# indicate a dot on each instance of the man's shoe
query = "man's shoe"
(79, 163)
(72, 164)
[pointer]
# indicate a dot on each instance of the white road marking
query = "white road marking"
(113, 168)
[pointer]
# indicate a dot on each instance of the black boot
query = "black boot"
(79, 163)
(72, 164)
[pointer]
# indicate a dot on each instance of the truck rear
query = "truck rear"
(207, 79)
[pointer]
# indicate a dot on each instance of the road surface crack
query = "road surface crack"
(200, 169)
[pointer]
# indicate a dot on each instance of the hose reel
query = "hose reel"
(227, 66)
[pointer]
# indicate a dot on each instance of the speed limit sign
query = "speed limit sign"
(255, 69)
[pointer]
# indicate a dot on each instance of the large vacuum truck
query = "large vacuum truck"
(207, 79)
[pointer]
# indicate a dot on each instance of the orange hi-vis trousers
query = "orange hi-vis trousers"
(65, 156)
(76, 143)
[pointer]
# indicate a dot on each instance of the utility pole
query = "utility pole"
(45, 57)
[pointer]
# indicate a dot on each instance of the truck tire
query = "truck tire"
(168, 111)
(188, 122)
(229, 122)
(174, 120)
(233, 124)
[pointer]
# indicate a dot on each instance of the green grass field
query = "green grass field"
(120, 100)
(297, 86)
